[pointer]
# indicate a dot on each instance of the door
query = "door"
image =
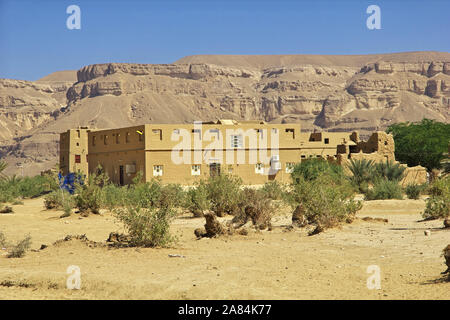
(214, 169)
(121, 175)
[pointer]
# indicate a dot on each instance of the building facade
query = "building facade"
(185, 153)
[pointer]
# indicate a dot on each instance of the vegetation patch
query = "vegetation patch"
(17, 250)
(385, 189)
(421, 143)
(321, 196)
(438, 204)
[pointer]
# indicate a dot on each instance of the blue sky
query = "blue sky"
(34, 39)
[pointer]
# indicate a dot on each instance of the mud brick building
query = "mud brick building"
(256, 151)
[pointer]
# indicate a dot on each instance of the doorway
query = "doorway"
(121, 175)
(214, 169)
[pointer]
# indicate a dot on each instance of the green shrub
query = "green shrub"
(224, 194)
(311, 169)
(274, 190)
(361, 173)
(384, 189)
(114, 196)
(147, 227)
(19, 250)
(172, 196)
(144, 195)
(89, 196)
(325, 201)
(389, 171)
(438, 205)
(440, 187)
(197, 200)
(413, 191)
(14, 187)
(58, 199)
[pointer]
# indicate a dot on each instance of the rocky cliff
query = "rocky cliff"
(335, 93)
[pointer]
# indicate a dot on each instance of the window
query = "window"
(156, 134)
(216, 131)
(236, 141)
(158, 170)
(127, 137)
(291, 132)
(105, 139)
(259, 168)
(289, 167)
(214, 169)
(117, 138)
(259, 133)
(78, 144)
(195, 170)
(327, 140)
(93, 140)
(303, 156)
(130, 169)
(230, 168)
(198, 132)
(78, 134)
(77, 158)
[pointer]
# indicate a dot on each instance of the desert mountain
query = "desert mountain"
(330, 93)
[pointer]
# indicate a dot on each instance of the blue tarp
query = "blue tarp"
(68, 182)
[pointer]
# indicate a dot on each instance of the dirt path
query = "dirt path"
(265, 265)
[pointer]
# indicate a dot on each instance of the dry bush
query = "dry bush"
(274, 190)
(19, 250)
(3, 242)
(6, 209)
(257, 207)
(446, 253)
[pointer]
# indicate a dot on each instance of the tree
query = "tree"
(362, 173)
(421, 143)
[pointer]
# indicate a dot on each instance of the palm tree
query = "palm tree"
(390, 171)
(3, 166)
(362, 171)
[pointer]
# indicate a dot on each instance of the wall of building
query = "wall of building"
(73, 156)
(120, 152)
(124, 152)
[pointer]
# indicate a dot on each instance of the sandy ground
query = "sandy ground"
(276, 264)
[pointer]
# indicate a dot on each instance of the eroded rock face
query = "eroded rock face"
(333, 98)
(365, 97)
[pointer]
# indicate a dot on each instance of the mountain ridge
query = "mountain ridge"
(321, 92)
